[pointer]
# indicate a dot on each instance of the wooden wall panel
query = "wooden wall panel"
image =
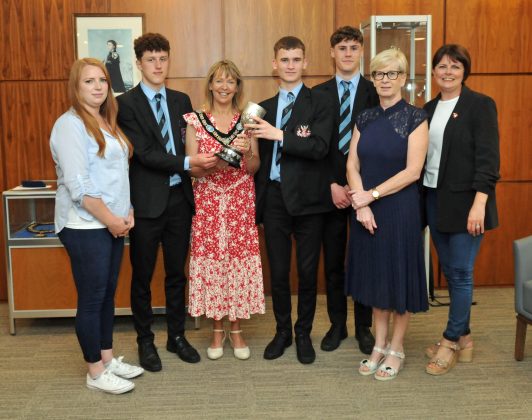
(253, 27)
(29, 110)
(38, 36)
(353, 12)
(193, 87)
(512, 96)
(495, 265)
(496, 33)
(194, 29)
(495, 262)
(3, 277)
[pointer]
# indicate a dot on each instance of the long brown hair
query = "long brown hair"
(108, 110)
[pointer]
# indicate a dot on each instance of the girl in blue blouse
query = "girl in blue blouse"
(93, 214)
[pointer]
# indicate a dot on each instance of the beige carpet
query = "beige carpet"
(42, 375)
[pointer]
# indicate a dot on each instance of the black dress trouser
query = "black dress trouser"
(334, 253)
(279, 227)
(172, 230)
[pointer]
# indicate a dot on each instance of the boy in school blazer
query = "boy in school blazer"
(161, 194)
(346, 49)
(292, 189)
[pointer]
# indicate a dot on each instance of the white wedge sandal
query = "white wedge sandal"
(372, 366)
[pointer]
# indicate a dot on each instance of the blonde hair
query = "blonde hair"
(229, 69)
(389, 57)
(108, 110)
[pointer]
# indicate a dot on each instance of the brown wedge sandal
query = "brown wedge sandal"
(438, 366)
(465, 354)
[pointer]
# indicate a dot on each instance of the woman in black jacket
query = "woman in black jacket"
(460, 175)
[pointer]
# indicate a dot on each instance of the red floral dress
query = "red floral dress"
(225, 276)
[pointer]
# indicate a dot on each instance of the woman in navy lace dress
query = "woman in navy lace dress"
(385, 261)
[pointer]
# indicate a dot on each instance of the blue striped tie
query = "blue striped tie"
(285, 116)
(345, 118)
(163, 124)
(164, 127)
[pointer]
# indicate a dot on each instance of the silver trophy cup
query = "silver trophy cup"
(231, 155)
(252, 110)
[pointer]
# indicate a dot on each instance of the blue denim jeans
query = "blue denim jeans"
(95, 257)
(457, 253)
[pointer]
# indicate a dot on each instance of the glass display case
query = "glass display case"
(39, 278)
(413, 36)
(29, 215)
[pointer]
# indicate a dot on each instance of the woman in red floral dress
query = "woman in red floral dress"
(225, 265)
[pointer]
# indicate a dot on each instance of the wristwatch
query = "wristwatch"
(375, 194)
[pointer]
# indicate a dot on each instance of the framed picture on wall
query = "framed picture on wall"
(109, 38)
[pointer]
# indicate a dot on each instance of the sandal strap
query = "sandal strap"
(372, 365)
(369, 364)
(398, 354)
(380, 350)
(453, 346)
(442, 364)
(213, 330)
(235, 332)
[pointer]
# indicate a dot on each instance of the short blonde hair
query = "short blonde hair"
(227, 68)
(388, 57)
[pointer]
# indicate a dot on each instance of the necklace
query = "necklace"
(224, 138)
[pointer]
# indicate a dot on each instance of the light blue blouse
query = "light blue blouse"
(80, 171)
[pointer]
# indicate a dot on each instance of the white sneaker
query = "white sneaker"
(124, 370)
(108, 382)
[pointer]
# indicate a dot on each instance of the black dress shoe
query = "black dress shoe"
(334, 336)
(184, 350)
(275, 348)
(305, 351)
(149, 358)
(365, 339)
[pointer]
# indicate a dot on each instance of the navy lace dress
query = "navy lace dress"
(386, 270)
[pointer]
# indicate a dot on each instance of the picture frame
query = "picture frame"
(109, 37)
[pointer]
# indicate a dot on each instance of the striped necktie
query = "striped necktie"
(345, 118)
(163, 124)
(285, 116)
(164, 127)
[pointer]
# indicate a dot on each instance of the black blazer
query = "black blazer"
(469, 160)
(151, 166)
(365, 97)
(304, 174)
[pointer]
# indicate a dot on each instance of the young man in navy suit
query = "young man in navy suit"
(292, 193)
(350, 93)
(161, 194)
